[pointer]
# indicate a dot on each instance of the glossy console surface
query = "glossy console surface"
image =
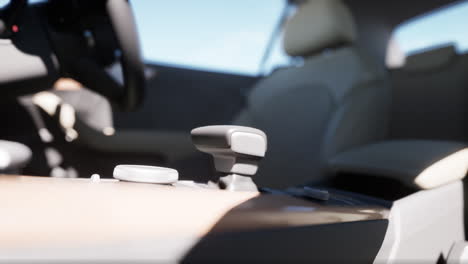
(281, 229)
(62, 219)
(278, 211)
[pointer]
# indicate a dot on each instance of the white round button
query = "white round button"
(145, 174)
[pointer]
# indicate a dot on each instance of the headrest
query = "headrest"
(431, 59)
(318, 25)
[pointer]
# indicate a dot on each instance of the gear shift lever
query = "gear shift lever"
(236, 151)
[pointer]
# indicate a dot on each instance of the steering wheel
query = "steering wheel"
(124, 26)
(78, 54)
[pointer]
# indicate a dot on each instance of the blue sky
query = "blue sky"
(231, 36)
(211, 34)
(440, 27)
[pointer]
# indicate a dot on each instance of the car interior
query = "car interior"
(338, 117)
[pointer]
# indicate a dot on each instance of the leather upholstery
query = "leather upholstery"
(431, 59)
(430, 96)
(423, 164)
(336, 101)
(317, 25)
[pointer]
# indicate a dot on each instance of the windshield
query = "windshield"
(221, 36)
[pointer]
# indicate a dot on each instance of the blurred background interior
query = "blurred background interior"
(201, 63)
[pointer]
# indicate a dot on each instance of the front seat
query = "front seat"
(337, 100)
(13, 157)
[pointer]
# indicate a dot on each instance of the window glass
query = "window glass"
(223, 36)
(3, 3)
(441, 27)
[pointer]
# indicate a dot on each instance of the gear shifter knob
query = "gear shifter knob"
(236, 150)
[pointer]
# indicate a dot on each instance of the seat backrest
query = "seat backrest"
(431, 95)
(335, 101)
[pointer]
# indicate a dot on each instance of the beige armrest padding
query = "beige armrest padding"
(422, 163)
(54, 220)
